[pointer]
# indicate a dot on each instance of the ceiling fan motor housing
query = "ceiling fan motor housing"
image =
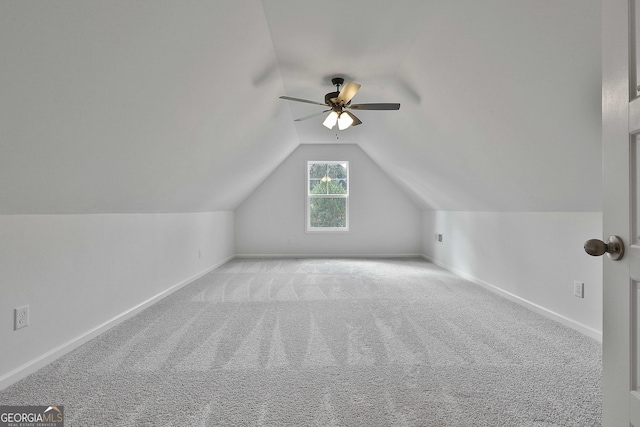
(328, 97)
(337, 82)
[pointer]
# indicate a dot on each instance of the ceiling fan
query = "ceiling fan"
(338, 102)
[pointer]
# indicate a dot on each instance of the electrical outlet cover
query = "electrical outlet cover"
(21, 317)
(578, 289)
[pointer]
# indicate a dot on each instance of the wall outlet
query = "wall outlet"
(21, 317)
(578, 289)
(440, 238)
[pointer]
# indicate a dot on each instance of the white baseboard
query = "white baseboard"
(33, 365)
(586, 330)
(328, 256)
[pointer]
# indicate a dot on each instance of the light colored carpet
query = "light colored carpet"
(327, 342)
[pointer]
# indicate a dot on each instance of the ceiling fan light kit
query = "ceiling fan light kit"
(344, 121)
(338, 101)
(331, 120)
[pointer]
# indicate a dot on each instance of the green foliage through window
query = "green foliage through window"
(326, 180)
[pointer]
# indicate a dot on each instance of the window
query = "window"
(328, 196)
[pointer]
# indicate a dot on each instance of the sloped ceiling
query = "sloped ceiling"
(137, 106)
(172, 106)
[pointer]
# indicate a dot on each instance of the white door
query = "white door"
(621, 161)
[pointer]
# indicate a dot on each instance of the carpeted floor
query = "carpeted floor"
(328, 342)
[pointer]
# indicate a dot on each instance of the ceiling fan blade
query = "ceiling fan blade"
(348, 91)
(379, 106)
(310, 115)
(289, 98)
(356, 121)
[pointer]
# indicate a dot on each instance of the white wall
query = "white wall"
(530, 257)
(81, 274)
(382, 219)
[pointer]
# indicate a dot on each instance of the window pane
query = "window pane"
(336, 170)
(312, 185)
(317, 170)
(318, 187)
(335, 187)
(328, 212)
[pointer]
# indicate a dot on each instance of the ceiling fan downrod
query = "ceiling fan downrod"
(337, 82)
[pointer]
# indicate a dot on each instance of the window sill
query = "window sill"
(327, 231)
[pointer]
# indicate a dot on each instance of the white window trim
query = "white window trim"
(309, 196)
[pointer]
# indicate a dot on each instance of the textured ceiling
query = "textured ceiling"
(172, 106)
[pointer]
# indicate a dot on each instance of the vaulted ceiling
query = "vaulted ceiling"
(172, 106)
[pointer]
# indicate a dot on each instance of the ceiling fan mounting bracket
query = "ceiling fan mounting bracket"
(337, 81)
